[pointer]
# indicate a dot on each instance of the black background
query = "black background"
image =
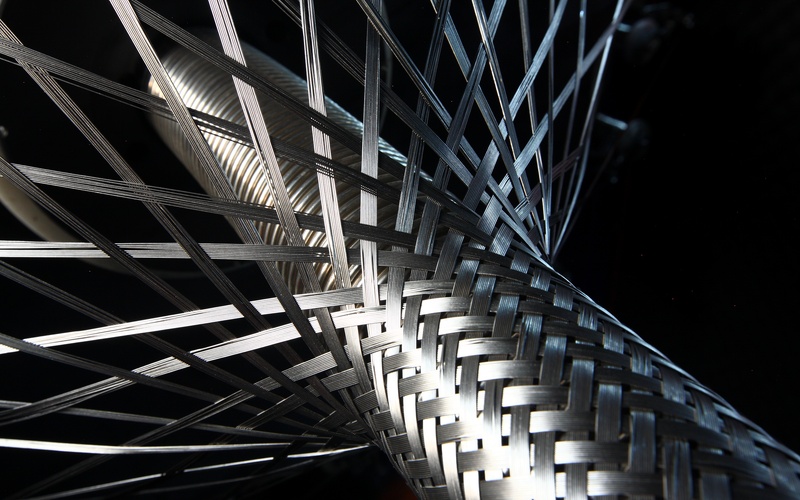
(693, 245)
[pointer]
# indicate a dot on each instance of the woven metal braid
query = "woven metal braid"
(505, 379)
(507, 382)
(476, 367)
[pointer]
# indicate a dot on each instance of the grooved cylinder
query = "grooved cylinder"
(206, 88)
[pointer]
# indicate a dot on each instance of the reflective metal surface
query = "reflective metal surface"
(207, 89)
(478, 369)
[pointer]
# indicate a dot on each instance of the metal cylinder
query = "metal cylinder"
(206, 88)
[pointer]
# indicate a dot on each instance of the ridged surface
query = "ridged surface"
(207, 89)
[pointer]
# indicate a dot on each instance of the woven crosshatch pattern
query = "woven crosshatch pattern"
(539, 390)
(391, 284)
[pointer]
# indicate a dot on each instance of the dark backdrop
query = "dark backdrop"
(693, 243)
